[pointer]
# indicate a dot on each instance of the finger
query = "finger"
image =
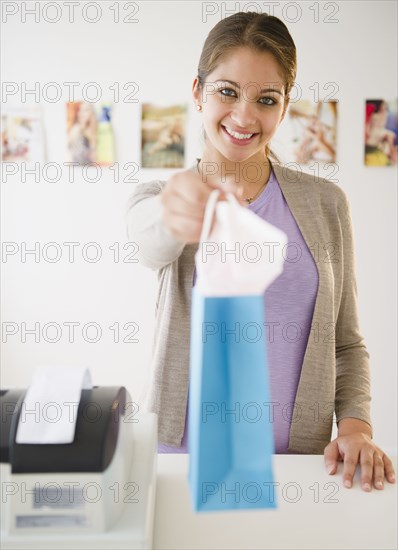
(366, 461)
(187, 185)
(378, 470)
(195, 195)
(389, 469)
(179, 206)
(351, 459)
(331, 455)
(183, 228)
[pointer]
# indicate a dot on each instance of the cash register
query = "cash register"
(99, 487)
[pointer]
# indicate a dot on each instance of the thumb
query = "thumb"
(331, 456)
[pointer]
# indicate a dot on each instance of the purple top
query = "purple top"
(289, 303)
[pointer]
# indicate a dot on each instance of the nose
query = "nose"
(243, 113)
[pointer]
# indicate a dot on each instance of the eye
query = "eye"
(227, 92)
(273, 101)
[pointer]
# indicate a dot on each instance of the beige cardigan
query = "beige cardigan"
(335, 372)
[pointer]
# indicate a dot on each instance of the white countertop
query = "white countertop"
(314, 510)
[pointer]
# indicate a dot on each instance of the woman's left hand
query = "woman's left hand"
(358, 448)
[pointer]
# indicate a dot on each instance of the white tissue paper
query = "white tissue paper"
(243, 254)
(49, 411)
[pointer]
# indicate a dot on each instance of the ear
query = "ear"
(196, 93)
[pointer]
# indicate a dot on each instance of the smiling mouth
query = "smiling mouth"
(238, 135)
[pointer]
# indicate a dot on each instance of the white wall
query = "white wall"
(160, 53)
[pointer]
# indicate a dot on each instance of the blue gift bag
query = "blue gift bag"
(230, 434)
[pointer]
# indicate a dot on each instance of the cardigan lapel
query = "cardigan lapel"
(304, 203)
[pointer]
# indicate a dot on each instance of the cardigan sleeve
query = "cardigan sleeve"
(157, 247)
(352, 397)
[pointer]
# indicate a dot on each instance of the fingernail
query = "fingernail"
(392, 477)
(330, 469)
(347, 483)
(379, 484)
(366, 487)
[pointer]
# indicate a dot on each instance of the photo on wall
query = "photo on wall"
(381, 132)
(163, 136)
(22, 135)
(313, 133)
(89, 133)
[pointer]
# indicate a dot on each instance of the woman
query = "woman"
(246, 71)
(82, 133)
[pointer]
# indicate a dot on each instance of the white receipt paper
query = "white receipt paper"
(49, 411)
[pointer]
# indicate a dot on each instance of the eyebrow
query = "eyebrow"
(238, 86)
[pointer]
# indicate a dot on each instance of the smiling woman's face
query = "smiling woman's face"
(241, 96)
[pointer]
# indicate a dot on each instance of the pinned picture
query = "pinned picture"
(22, 135)
(313, 131)
(163, 136)
(381, 132)
(89, 132)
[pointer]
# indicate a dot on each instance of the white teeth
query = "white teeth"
(236, 135)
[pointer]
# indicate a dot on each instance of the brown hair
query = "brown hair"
(259, 31)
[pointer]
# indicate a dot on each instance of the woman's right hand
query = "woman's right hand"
(184, 199)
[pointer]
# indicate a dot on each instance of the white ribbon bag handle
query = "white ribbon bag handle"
(210, 210)
(208, 215)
